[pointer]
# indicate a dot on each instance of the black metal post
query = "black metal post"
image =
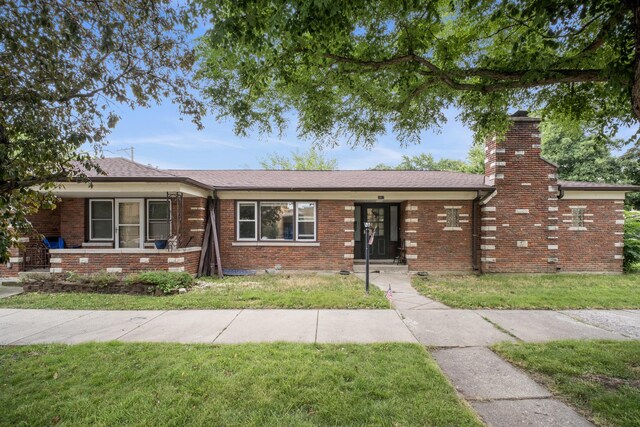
(367, 229)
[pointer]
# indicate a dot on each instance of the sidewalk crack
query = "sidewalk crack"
(142, 324)
(229, 324)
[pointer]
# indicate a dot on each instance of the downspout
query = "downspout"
(560, 192)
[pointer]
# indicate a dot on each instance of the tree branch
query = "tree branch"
(9, 186)
(502, 79)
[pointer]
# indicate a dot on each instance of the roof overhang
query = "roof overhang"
(357, 195)
(129, 189)
(571, 194)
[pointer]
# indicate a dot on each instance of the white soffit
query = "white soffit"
(388, 196)
(128, 189)
(593, 195)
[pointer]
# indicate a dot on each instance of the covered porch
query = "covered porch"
(119, 228)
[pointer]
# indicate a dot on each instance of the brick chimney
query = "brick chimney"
(519, 224)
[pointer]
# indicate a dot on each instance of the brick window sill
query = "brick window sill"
(298, 244)
(452, 229)
(577, 228)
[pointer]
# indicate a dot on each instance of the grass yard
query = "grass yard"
(262, 291)
(543, 291)
(232, 385)
(601, 378)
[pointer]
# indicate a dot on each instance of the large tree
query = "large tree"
(349, 69)
(584, 156)
(66, 68)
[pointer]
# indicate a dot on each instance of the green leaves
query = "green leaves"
(352, 70)
(313, 159)
(63, 64)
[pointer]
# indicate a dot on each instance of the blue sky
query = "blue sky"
(161, 139)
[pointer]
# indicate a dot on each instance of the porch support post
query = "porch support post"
(367, 229)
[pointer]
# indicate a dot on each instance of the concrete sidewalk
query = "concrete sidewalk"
(19, 327)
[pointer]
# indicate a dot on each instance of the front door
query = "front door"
(129, 232)
(384, 226)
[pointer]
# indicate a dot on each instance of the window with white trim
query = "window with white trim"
(100, 219)
(247, 224)
(276, 221)
(306, 221)
(158, 219)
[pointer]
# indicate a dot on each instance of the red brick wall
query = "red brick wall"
(47, 222)
(94, 261)
(519, 224)
(10, 270)
(599, 247)
(334, 234)
(193, 221)
(429, 246)
(72, 221)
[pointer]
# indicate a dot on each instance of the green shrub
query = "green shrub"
(631, 240)
(164, 280)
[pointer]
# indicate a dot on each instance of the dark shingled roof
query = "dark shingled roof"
(120, 169)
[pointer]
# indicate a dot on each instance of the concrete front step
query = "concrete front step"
(382, 268)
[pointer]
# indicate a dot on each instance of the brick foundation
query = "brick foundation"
(86, 261)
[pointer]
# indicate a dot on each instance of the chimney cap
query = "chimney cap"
(523, 116)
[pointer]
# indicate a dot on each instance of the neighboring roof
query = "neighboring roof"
(335, 180)
(118, 169)
(581, 185)
(122, 170)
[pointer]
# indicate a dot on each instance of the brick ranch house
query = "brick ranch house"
(517, 217)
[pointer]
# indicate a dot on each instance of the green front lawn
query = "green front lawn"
(262, 291)
(231, 385)
(542, 291)
(601, 378)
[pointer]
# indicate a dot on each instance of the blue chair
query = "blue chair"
(53, 242)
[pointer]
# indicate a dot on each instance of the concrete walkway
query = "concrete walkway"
(501, 394)
(18, 327)
(9, 291)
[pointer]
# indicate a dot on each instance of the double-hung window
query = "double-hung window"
(158, 219)
(276, 221)
(101, 219)
(247, 221)
(306, 221)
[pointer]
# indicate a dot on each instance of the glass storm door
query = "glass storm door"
(384, 220)
(129, 223)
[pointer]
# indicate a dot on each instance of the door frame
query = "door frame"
(389, 245)
(141, 222)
